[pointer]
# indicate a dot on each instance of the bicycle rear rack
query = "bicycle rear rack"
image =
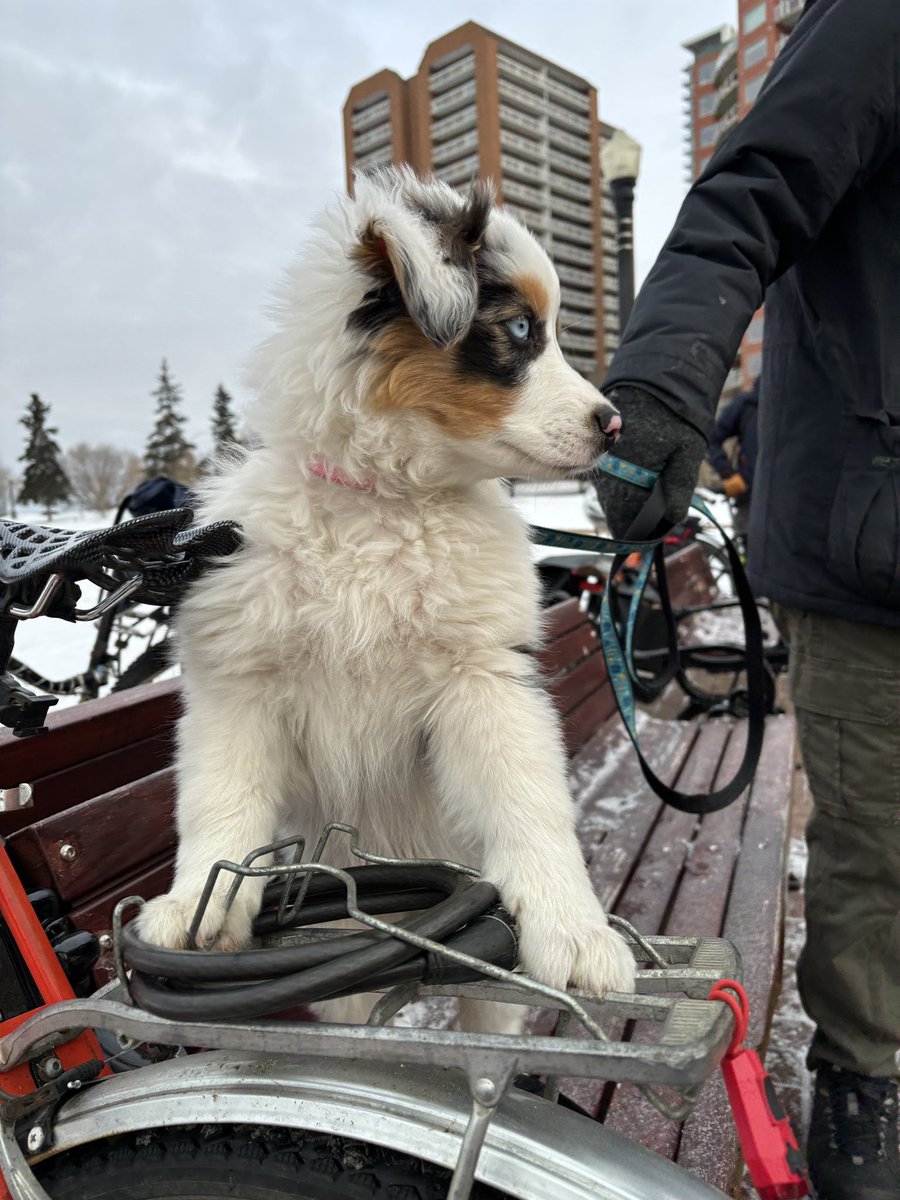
(673, 980)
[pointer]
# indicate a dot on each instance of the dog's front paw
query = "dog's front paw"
(166, 921)
(587, 953)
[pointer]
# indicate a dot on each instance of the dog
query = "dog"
(365, 657)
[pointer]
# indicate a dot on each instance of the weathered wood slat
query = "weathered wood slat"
(648, 898)
(73, 785)
(754, 922)
(111, 835)
(85, 732)
(560, 656)
(559, 619)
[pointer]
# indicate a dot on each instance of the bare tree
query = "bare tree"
(101, 475)
(9, 487)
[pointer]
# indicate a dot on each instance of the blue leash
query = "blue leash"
(620, 662)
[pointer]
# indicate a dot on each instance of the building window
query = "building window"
(752, 89)
(707, 104)
(753, 365)
(755, 53)
(706, 72)
(709, 134)
(755, 329)
(754, 17)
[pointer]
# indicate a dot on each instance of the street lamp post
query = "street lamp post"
(620, 162)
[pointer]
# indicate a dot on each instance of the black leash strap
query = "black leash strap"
(645, 536)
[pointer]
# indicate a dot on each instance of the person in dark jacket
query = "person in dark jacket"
(800, 204)
(737, 420)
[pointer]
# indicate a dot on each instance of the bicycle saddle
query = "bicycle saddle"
(163, 549)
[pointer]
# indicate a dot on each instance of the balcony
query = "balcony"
(570, 141)
(574, 233)
(573, 166)
(462, 172)
(726, 62)
(569, 187)
(383, 155)
(373, 114)
(575, 276)
(572, 120)
(522, 97)
(581, 343)
(445, 77)
(727, 93)
(456, 148)
(573, 254)
(511, 117)
(574, 298)
(568, 95)
(522, 145)
(523, 193)
(787, 12)
(458, 122)
(583, 322)
(536, 221)
(380, 136)
(511, 69)
(727, 121)
(453, 99)
(518, 168)
(581, 212)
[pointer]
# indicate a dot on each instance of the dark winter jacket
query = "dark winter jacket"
(802, 198)
(737, 420)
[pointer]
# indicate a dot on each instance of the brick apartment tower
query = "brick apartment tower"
(727, 70)
(482, 107)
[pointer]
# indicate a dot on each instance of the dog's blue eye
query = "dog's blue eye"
(519, 328)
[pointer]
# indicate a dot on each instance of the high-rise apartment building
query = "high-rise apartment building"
(727, 69)
(482, 107)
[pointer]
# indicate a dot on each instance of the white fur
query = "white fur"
(357, 660)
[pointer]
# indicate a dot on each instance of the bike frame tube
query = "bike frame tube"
(48, 975)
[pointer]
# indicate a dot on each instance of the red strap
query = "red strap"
(740, 1007)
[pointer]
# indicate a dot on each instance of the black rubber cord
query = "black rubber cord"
(214, 986)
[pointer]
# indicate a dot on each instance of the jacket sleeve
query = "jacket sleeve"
(727, 425)
(824, 121)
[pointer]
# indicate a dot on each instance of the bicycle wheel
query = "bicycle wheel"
(150, 663)
(206, 1162)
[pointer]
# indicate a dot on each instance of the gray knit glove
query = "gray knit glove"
(652, 437)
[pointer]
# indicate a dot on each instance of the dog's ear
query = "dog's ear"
(429, 251)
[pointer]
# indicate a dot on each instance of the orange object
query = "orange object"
(734, 486)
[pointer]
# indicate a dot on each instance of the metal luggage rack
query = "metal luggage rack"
(672, 984)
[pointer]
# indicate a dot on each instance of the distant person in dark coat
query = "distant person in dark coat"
(737, 420)
(800, 206)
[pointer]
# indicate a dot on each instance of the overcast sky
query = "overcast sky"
(159, 162)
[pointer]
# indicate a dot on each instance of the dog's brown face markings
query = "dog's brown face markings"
(469, 389)
(414, 375)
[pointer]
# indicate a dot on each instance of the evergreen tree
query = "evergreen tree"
(223, 422)
(44, 481)
(168, 451)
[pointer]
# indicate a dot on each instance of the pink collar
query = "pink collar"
(317, 467)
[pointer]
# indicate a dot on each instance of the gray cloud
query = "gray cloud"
(159, 164)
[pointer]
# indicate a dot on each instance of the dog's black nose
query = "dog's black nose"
(609, 423)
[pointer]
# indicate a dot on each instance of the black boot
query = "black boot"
(852, 1147)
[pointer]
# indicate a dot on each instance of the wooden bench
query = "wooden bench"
(103, 785)
(669, 872)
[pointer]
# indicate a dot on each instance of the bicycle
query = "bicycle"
(113, 666)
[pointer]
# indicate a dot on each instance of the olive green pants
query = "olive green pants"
(845, 684)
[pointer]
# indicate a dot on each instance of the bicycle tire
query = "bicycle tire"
(243, 1162)
(148, 664)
